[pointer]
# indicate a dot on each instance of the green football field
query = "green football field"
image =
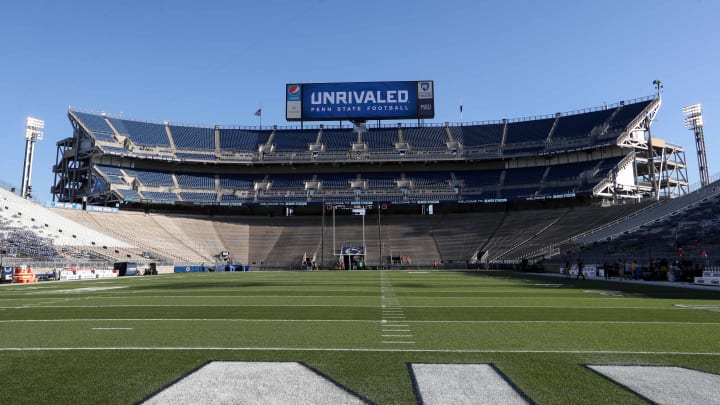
(125, 340)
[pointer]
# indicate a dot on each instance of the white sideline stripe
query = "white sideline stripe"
(350, 349)
(463, 384)
(112, 328)
(396, 330)
(666, 384)
(49, 305)
(675, 308)
(254, 383)
(391, 342)
(390, 321)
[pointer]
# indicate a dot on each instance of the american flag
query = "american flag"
(258, 112)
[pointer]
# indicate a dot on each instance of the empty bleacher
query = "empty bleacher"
(151, 178)
(196, 181)
(580, 125)
(242, 140)
(96, 126)
(338, 139)
(195, 138)
(381, 139)
(142, 133)
(626, 114)
(294, 140)
(478, 135)
(529, 131)
(426, 138)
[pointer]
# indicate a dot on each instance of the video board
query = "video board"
(357, 101)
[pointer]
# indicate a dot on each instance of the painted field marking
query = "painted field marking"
(463, 384)
(348, 350)
(254, 383)
(665, 384)
(112, 328)
(384, 321)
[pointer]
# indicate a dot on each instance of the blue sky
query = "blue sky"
(217, 62)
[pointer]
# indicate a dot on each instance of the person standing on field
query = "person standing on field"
(580, 266)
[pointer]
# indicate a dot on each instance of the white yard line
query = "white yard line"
(379, 350)
(388, 323)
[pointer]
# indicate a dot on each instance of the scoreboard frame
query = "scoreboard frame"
(360, 101)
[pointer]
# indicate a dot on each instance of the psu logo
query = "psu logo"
(425, 90)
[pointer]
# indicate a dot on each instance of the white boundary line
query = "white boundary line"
(49, 305)
(319, 349)
(391, 322)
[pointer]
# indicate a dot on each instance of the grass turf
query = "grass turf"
(119, 341)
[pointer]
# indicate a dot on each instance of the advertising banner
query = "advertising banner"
(360, 101)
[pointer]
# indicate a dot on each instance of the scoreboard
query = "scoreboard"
(359, 101)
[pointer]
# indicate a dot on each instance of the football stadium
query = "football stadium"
(362, 253)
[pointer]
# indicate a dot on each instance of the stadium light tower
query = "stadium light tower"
(33, 133)
(694, 122)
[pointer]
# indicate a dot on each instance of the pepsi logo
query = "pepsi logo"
(293, 89)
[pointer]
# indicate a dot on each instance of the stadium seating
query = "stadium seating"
(208, 198)
(242, 140)
(478, 135)
(142, 133)
(338, 139)
(196, 181)
(151, 178)
(160, 196)
(96, 125)
(523, 175)
(35, 231)
(294, 140)
(529, 131)
(426, 138)
(381, 139)
(626, 114)
(195, 156)
(580, 125)
(194, 138)
(468, 163)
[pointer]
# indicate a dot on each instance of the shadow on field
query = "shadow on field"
(183, 285)
(670, 290)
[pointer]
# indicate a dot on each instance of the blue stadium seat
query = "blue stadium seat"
(426, 138)
(478, 135)
(151, 178)
(524, 175)
(381, 139)
(529, 131)
(160, 196)
(206, 198)
(238, 181)
(142, 133)
(194, 138)
(294, 140)
(195, 156)
(338, 139)
(96, 125)
(580, 125)
(242, 140)
(196, 181)
(626, 114)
